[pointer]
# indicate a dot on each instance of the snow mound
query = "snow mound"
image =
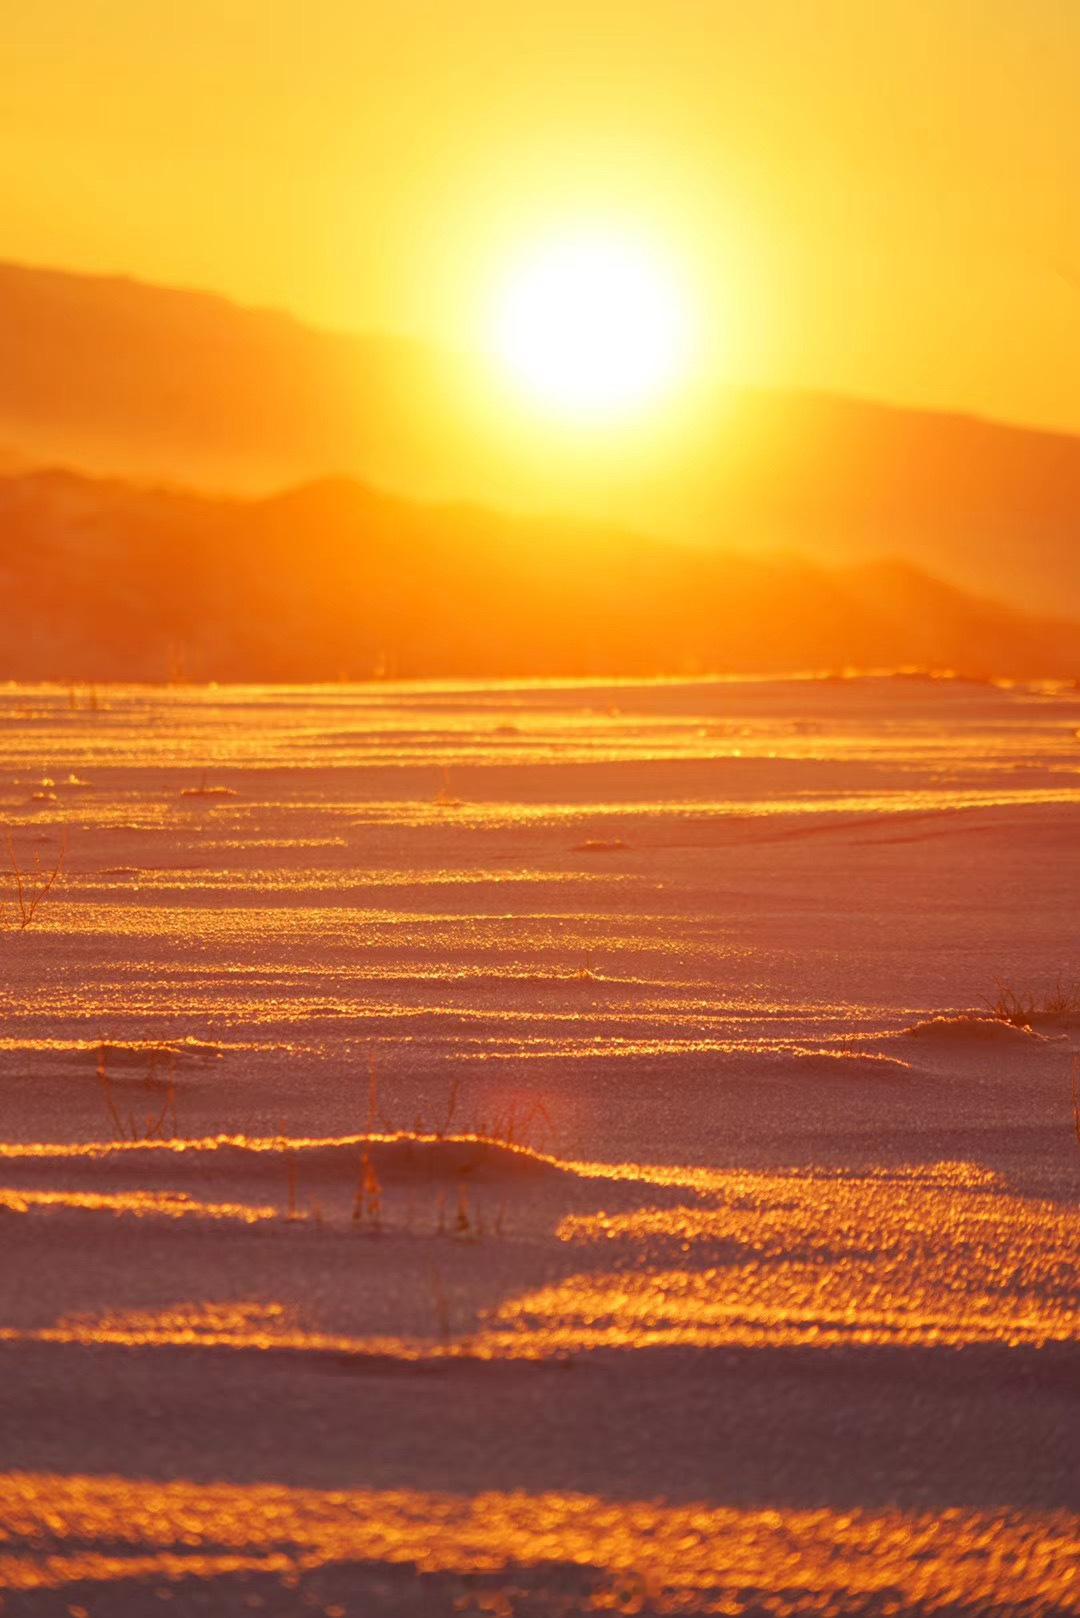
(850, 1064)
(969, 1028)
(239, 1162)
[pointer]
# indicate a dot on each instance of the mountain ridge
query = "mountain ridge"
(190, 388)
(337, 579)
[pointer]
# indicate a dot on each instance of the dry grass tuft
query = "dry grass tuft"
(1021, 1008)
(515, 1128)
(519, 1125)
(206, 790)
(155, 1124)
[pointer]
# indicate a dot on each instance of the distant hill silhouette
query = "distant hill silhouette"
(114, 376)
(105, 580)
(143, 381)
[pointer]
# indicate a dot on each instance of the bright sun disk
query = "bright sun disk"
(592, 327)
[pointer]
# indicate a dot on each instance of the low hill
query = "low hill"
(106, 580)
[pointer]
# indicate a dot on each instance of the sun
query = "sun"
(592, 326)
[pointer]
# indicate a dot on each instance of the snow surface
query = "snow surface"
(539, 1148)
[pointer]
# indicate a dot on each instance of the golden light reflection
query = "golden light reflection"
(948, 1257)
(139, 1204)
(437, 726)
(231, 1324)
(943, 1256)
(251, 1325)
(57, 1530)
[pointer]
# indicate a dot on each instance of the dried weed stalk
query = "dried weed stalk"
(31, 888)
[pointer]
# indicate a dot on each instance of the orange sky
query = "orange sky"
(871, 197)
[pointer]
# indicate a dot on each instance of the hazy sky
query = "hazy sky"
(866, 194)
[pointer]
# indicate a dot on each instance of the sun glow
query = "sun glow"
(592, 327)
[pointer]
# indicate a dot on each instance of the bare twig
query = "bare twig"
(32, 890)
(368, 1203)
(107, 1092)
(451, 1108)
(442, 1307)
